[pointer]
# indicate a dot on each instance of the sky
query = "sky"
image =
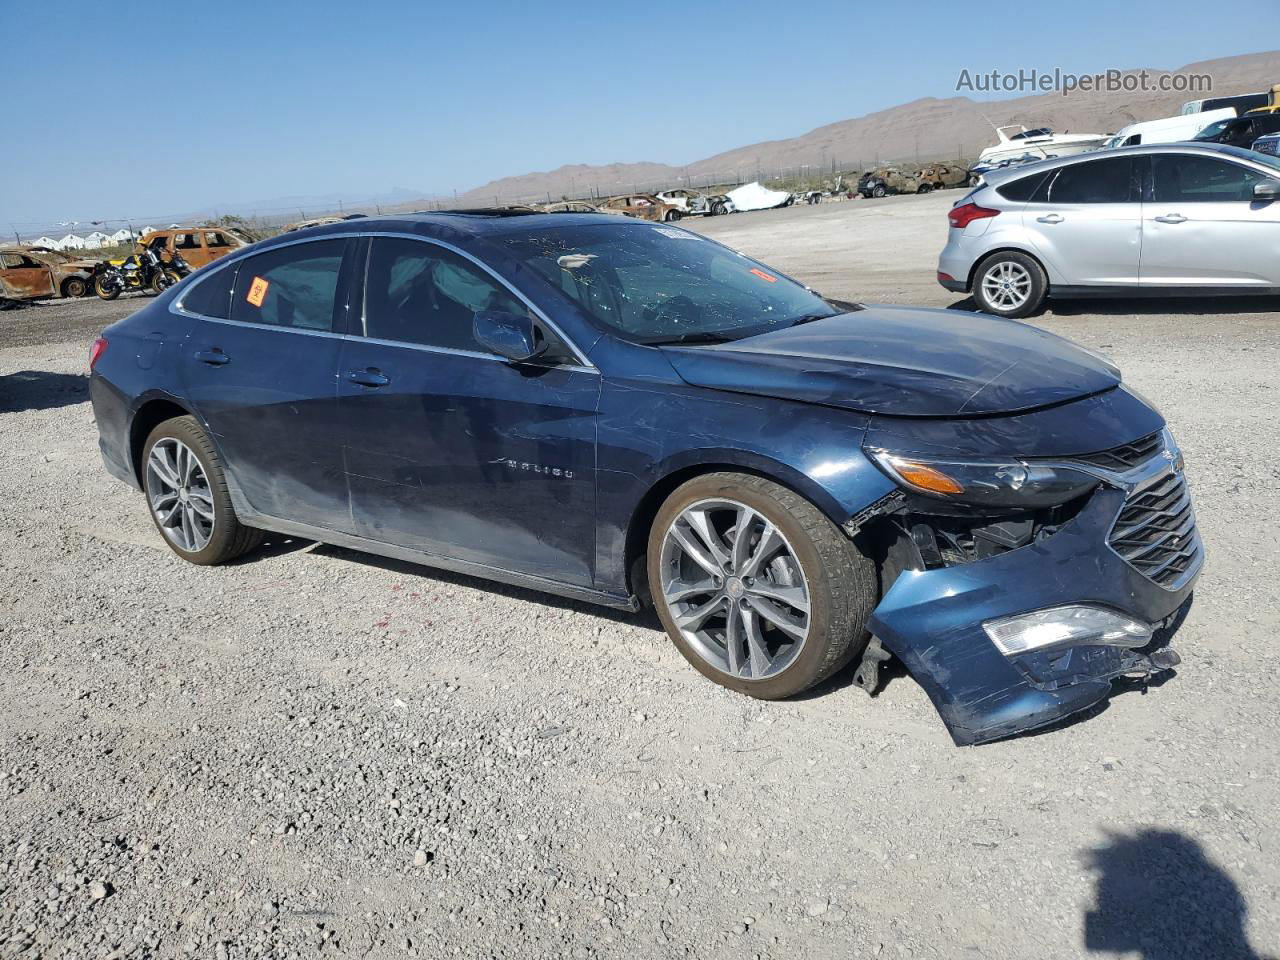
(245, 107)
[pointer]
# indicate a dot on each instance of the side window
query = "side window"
(294, 286)
(186, 241)
(157, 243)
(214, 239)
(211, 297)
(418, 292)
(1022, 189)
(12, 261)
(1179, 178)
(1097, 181)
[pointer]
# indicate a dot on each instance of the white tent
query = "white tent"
(44, 242)
(95, 240)
(71, 242)
(121, 236)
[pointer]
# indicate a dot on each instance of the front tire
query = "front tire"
(878, 191)
(1010, 284)
(672, 216)
(104, 290)
(186, 492)
(756, 587)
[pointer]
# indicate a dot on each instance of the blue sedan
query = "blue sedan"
(629, 413)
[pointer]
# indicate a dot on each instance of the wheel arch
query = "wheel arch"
(680, 470)
(1010, 248)
(152, 412)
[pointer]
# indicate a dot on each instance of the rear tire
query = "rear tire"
(878, 191)
(672, 216)
(187, 496)
(75, 288)
(104, 291)
(1010, 284)
(813, 577)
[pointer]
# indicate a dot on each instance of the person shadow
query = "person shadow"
(1159, 895)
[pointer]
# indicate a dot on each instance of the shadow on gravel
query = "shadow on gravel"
(1138, 306)
(41, 390)
(645, 618)
(1158, 895)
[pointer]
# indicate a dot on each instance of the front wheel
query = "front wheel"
(878, 191)
(187, 494)
(756, 587)
(672, 216)
(1010, 284)
(105, 289)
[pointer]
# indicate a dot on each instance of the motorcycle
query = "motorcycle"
(144, 271)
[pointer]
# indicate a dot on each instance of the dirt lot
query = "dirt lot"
(314, 752)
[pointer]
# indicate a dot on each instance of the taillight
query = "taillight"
(966, 213)
(97, 350)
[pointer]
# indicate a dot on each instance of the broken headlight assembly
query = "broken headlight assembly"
(1072, 625)
(1002, 484)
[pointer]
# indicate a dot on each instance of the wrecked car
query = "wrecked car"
(941, 176)
(690, 202)
(38, 273)
(575, 206)
(624, 413)
(642, 206)
(886, 181)
(199, 246)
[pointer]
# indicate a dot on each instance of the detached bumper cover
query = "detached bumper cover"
(932, 621)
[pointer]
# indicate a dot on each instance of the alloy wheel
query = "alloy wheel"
(180, 496)
(1007, 285)
(735, 589)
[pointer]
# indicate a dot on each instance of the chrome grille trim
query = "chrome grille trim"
(1155, 531)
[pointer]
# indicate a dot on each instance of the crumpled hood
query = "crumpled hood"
(905, 362)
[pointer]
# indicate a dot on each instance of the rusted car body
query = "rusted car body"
(198, 245)
(942, 176)
(38, 273)
(643, 206)
(885, 181)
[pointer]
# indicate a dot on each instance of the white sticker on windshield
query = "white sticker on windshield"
(676, 234)
(571, 261)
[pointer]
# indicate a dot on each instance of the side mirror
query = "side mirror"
(509, 335)
(1267, 190)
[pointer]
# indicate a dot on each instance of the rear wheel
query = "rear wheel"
(1010, 284)
(75, 287)
(105, 289)
(672, 216)
(187, 494)
(878, 191)
(758, 589)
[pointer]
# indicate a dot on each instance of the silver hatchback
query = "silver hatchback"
(1171, 219)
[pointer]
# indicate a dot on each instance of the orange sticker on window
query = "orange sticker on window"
(764, 276)
(258, 291)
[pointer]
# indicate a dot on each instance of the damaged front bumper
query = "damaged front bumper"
(932, 620)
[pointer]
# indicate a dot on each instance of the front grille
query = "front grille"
(1156, 531)
(1126, 456)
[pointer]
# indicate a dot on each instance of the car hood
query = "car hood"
(900, 361)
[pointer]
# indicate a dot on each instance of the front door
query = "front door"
(1203, 227)
(1087, 222)
(452, 450)
(263, 378)
(22, 278)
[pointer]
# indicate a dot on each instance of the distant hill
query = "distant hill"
(925, 129)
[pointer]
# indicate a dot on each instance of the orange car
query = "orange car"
(644, 206)
(198, 245)
(38, 273)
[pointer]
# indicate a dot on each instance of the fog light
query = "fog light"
(1072, 625)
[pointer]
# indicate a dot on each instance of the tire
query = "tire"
(226, 537)
(815, 557)
(1010, 284)
(672, 216)
(75, 288)
(924, 188)
(106, 293)
(159, 283)
(878, 191)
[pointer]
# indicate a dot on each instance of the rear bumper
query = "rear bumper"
(932, 621)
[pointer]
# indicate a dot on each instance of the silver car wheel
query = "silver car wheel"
(1007, 285)
(735, 589)
(180, 497)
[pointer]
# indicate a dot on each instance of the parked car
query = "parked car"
(690, 202)
(1168, 129)
(1269, 144)
(884, 181)
(1168, 219)
(199, 246)
(613, 410)
(574, 206)
(643, 206)
(1240, 131)
(942, 176)
(38, 273)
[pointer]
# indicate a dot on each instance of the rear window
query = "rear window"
(211, 296)
(1022, 189)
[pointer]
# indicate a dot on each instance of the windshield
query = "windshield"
(1213, 129)
(659, 284)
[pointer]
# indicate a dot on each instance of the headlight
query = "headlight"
(1072, 625)
(1011, 483)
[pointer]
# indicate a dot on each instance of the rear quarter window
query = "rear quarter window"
(293, 286)
(1022, 189)
(211, 296)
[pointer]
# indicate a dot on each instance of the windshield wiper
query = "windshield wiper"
(690, 337)
(810, 317)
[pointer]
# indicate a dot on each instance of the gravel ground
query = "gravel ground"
(315, 752)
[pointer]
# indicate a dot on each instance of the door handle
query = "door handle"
(371, 377)
(1172, 218)
(1050, 218)
(214, 357)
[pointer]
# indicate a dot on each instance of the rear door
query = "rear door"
(1203, 227)
(260, 368)
(452, 450)
(216, 245)
(1087, 222)
(22, 278)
